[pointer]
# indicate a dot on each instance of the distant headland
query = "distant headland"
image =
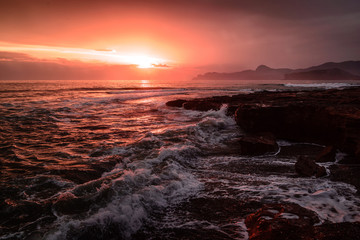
(348, 70)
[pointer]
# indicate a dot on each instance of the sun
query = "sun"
(139, 60)
(144, 61)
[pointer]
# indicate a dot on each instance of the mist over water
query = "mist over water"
(109, 160)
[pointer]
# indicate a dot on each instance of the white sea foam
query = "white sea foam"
(288, 216)
(144, 186)
(332, 201)
(214, 126)
(139, 191)
(152, 174)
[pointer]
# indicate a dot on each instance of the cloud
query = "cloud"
(160, 65)
(277, 8)
(19, 66)
(14, 56)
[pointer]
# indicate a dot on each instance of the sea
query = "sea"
(107, 159)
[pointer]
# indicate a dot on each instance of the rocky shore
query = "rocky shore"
(327, 117)
(330, 119)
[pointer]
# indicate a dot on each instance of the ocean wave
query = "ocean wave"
(109, 166)
(151, 175)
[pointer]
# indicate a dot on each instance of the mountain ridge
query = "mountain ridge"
(349, 70)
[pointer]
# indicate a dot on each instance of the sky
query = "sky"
(78, 39)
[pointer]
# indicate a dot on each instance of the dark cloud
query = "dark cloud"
(277, 8)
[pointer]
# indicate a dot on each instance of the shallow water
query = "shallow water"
(108, 160)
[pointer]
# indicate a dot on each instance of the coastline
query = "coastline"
(329, 119)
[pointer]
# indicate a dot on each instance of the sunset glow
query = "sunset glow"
(86, 55)
(176, 39)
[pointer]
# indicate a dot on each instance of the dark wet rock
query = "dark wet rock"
(257, 144)
(204, 104)
(349, 159)
(176, 103)
(308, 168)
(203, 218)
(292, 222)
(328, 117)
(220, 208)
(248, 166)
(300, 149)
(201, 105)
(327, 155)
(252, 145)
(296, 122)
(346, 173)
(281, 221)
(335, 231)
(320, 117)
(231, 109)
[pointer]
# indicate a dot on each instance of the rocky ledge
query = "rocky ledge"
(326, 117)
(330, 118)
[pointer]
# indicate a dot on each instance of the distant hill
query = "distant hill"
(323, 74)
(261, 72)
(334, 71)
(352, 67)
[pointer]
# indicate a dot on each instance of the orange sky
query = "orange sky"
(177, 38)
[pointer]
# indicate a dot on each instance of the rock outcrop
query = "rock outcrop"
(176, 103)
(325, 117)
(328, 117)
(281, 221)
(201, 105)
(327, 155)
(258, 145)
(293, 222)
(308, 168)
